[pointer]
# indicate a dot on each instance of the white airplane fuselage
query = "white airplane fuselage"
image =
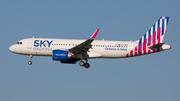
(100, 48)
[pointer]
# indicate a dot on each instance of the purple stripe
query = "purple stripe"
(153, 32)
(144, 41)
(139, 44)
(158, 27)
(149, 36)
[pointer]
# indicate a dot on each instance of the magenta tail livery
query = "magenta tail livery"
(73, 50)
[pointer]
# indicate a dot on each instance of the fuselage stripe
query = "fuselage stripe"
(139, 46)
(136, 51)
(158, 28)
(154, 38)
(145, 43)
(140, 49)
(153, 33)
(131, 52)
(159, 35)
(162, 26)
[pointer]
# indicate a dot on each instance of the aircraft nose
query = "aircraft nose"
(12, 48)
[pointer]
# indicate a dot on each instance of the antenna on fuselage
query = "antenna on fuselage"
(33, 37)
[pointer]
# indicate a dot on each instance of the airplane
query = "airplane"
(70, 51)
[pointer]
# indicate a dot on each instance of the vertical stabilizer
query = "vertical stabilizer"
(153, 37)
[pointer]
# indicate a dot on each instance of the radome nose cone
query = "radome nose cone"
(10, 48)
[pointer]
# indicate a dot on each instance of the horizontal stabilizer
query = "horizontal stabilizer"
(156, 46)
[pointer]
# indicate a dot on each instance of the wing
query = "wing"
(84, 46)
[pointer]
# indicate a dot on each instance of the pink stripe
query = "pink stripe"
(154, 38)
(149, 43)
(159, 35)
(140, 49)
(149, 51)
(131, 52)
(145, 43)
(127, 55)
(135, 51)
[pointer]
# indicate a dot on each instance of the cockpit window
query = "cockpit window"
(19, 43)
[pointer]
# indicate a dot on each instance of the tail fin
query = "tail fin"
(152, 39)
(153, 36)
(156, 33)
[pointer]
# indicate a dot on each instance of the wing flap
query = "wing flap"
(94, 55)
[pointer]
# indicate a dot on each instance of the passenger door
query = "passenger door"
(29, 43)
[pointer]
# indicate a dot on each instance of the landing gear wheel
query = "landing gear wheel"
(81, 63)
(86, 65)
(30, 63)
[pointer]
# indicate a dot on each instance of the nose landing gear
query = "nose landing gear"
(30, 62)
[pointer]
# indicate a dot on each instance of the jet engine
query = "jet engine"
(63, 56)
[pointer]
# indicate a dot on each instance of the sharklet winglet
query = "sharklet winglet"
(94, 35)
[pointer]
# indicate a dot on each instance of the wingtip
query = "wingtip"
(95, 33)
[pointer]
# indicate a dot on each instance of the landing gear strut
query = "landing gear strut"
(82, 63)
(30, 62)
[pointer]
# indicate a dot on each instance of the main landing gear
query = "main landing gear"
(82, 63)
(30, 62)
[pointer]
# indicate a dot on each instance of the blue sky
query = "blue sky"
(153, 77)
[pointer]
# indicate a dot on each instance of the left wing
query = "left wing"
(84, 46)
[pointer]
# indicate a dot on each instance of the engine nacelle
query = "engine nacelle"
(69, 61)
(61, 55)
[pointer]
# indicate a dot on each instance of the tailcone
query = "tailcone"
(166, 47)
